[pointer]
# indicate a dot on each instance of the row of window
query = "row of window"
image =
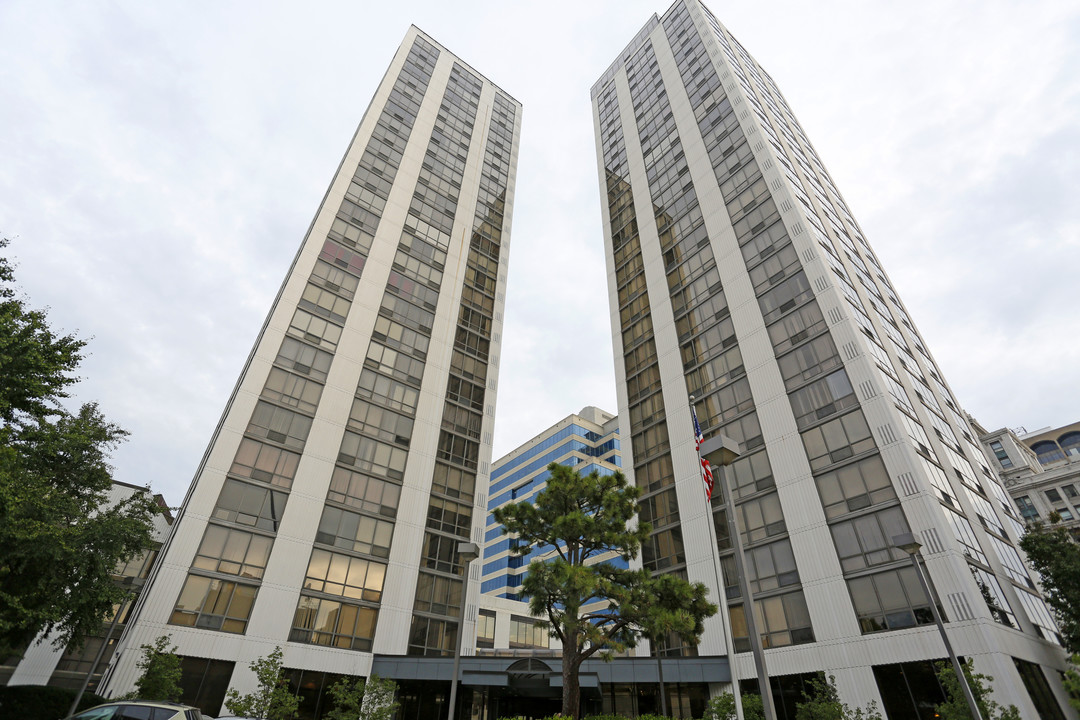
(281, 422)
(449, 522)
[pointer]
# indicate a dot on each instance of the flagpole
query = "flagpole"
(729, 640)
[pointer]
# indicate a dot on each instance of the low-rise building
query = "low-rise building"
(1041, 471)
(586, 441)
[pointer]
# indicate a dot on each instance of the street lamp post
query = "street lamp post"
(660, 673)
(721, 451)
(908, 543)
(468, 552)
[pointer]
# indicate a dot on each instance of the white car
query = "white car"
(139, 710)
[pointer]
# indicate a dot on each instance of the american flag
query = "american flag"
(706, 469)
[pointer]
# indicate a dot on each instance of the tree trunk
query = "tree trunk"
(571, 690)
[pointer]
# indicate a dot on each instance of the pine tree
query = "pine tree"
(595, 607)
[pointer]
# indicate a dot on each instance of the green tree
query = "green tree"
(160, 679)
(823, 703)
(722, 707)
(59, 539)
(272, 700)
(1056, 557)
(357, 699)
(595, 607)
(955, 706)
(1072, 682)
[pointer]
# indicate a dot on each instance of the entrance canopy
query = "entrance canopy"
(526, 673)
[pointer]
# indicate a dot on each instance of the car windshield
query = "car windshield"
(99, 713)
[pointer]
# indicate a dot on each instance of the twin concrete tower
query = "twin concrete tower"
(354, 453)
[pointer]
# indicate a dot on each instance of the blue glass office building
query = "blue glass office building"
(586, 441)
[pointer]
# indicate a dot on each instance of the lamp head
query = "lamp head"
(720, 450)
(907, 543)
(468, 551)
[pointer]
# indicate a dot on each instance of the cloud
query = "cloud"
(162, 163)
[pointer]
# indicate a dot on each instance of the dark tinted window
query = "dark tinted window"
(98, 713)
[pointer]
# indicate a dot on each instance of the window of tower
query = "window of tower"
(314, 330)
(233, 552)
(651, 441)
(449, 516)
(250, 505)
(655, 474)
(265, 463)
(760, 518)
(355, 532)
(808, 361)
(364, 492)
(745, 430)
(438, 595)
(822, 398)
(750, 474)
(214, 604)
(775, 268)
(432, 637)
(782, 620)
(992, 595)
(304, 359)
(784, 297)
(440, 553)
(866, 541)
(660, 509)
(407, 314)
(380, 423)
(389, 392)
(794, 328)
(837, 440)
(344, 575)
(372, 456)
(394, 363)
(318, 621)
(292, 390)
(726, 403)
(854, 487)
(768, 567)
(663, 549)
(890, 600)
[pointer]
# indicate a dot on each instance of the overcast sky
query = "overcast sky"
(160, 164)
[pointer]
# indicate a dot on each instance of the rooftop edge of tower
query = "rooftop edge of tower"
(626, 52)
(419, 30)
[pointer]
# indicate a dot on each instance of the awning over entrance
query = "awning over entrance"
(523, 673)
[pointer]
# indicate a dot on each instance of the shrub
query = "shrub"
(273, 699)
(360, 699)
(160, 679)
(956, 708)
(722, 707)
(823, 703)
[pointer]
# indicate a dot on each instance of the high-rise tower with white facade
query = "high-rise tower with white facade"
(738, 275)
(352, 457)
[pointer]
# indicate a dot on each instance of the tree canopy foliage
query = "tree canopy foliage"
(1054, 554)
(360, 699)
(272, 699)
(161, 674)
(821, 701)
(60, 540)
(955, 706)
(589, 604)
